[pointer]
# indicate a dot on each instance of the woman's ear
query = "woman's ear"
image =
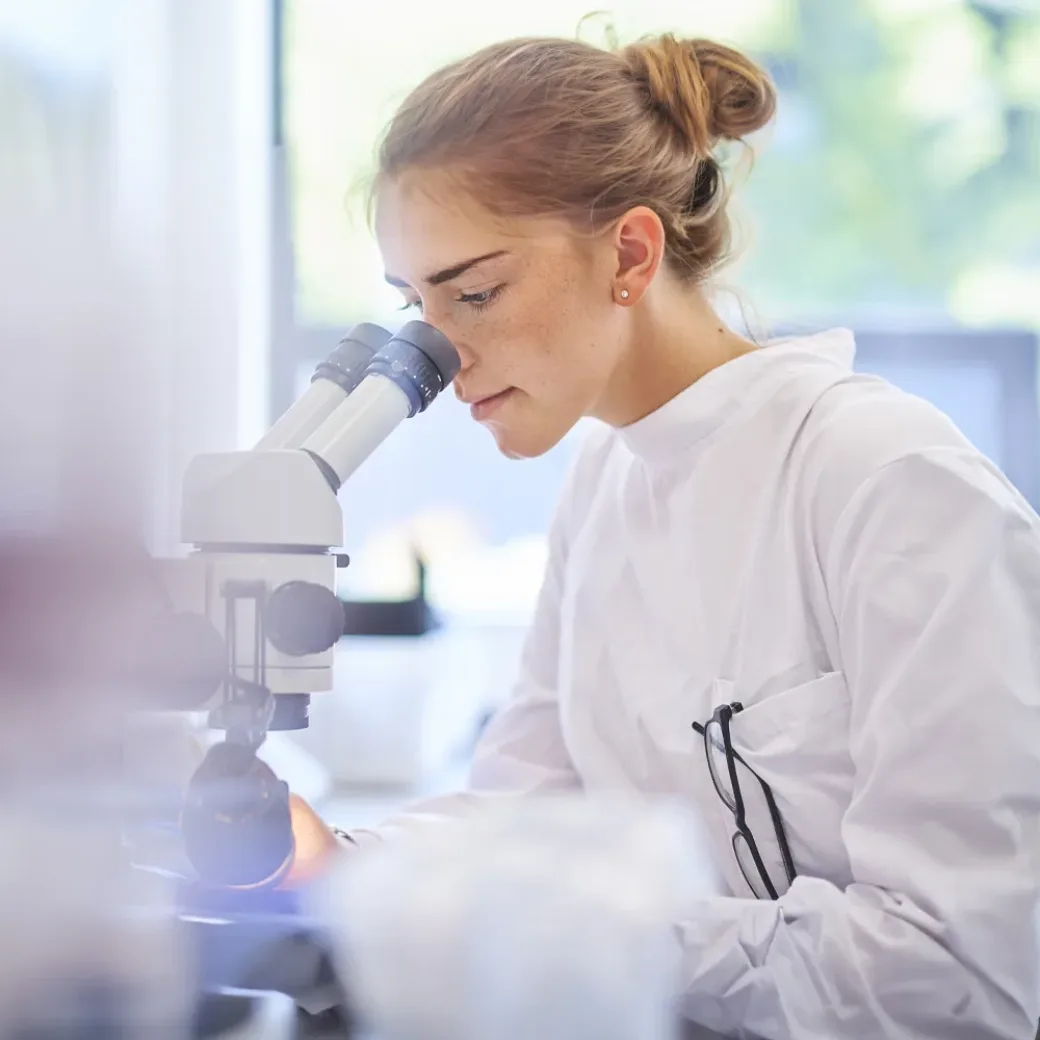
(639, 241)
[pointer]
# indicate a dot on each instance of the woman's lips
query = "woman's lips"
(481, 410)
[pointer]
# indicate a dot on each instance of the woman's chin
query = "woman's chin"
(519, 443)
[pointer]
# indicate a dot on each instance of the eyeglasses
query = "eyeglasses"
(722, 765)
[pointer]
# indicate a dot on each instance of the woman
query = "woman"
(809, 564)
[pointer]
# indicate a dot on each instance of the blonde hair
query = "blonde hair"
(556, 127)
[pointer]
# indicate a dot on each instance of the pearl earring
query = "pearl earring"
(624, 294)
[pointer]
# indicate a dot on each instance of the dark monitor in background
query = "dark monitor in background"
(986, 381)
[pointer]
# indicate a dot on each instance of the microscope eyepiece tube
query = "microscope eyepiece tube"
(333, 381)
(403, 378)
(347, 364)
(420, 360)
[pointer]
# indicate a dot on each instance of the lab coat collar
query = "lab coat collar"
(695, 414)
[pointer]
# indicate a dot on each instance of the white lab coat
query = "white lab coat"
(834, 555)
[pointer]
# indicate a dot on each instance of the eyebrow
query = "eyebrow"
(449, 273)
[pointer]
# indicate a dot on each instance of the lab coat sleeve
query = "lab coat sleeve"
(521, 750)
(933, 573)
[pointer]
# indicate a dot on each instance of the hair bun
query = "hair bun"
(708, 91)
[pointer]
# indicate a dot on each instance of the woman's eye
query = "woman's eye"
(409, 304)
(481, 300)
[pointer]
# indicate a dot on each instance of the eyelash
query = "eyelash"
(478, 301)
(482, 300)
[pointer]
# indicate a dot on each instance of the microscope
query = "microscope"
(254, 612)
(252, 622)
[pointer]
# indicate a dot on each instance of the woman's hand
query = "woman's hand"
(316, 844)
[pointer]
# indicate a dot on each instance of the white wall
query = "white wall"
(192, 153)
(135, 200)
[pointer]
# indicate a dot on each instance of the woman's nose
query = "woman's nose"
(467, 358)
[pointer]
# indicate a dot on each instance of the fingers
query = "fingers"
(316, 843)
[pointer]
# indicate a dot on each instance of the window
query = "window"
(896, 191)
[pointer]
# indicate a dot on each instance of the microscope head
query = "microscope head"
(264, 524)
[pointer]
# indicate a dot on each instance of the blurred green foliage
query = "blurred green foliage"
(906, 160)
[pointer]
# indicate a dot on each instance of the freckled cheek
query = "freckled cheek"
(530, 342)
(541, 366)
(533, 348)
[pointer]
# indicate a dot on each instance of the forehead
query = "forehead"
(426, 222)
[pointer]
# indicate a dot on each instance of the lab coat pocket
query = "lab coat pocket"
(797, 741)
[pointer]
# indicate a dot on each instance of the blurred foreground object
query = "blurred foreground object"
(88, 947)
(538, 918)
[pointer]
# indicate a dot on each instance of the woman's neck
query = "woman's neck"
(677, 337)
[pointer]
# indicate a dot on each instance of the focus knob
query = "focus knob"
(302, 618)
